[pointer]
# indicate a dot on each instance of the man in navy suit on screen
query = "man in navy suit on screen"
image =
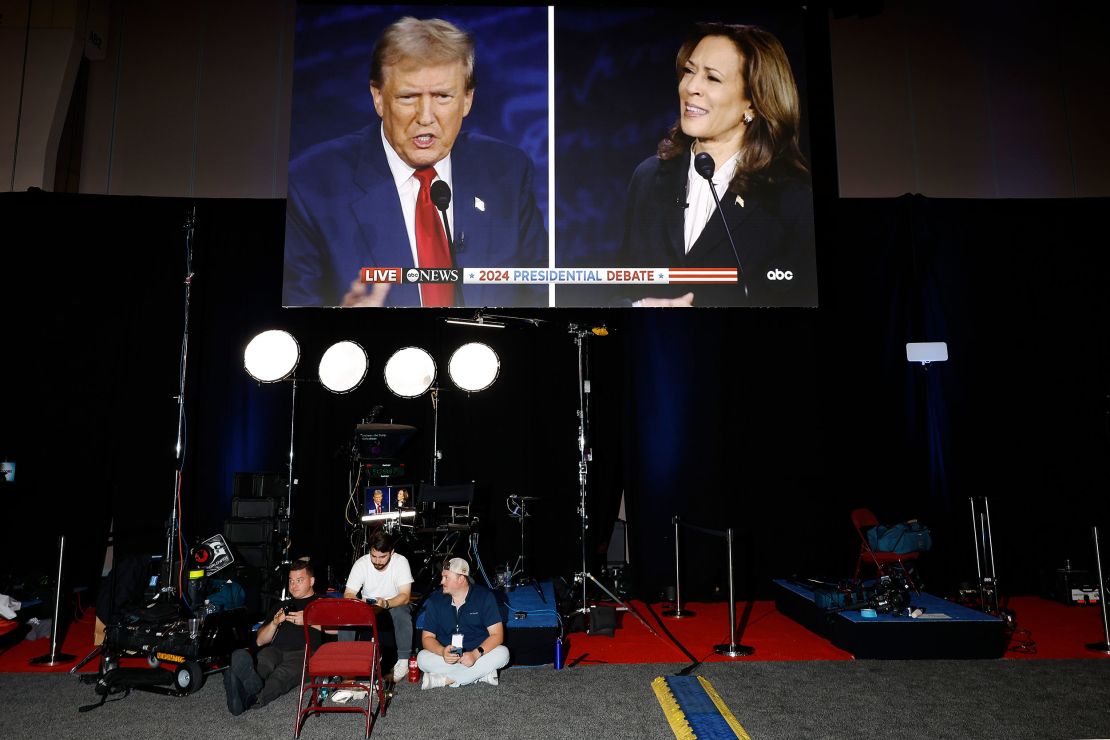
(368, 199)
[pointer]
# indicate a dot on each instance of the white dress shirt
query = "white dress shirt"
(408, 188)
(700, 205)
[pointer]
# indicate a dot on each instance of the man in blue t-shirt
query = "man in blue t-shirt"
(462, 632)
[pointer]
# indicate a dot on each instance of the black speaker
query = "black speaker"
(260, 485)
(257, 556)
(253, 531)
(254, 508)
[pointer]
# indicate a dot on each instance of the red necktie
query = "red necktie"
(431, 241)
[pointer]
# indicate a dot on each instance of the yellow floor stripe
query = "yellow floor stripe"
(724, 710)
(671, 710)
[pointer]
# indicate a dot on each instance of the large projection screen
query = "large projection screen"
(632, 223)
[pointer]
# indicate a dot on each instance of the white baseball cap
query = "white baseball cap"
(458, 565)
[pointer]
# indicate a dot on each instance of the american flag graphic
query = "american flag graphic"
(703, 275)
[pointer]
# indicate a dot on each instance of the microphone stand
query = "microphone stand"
(441, 198)
(292, 482)
(705, 166)
(435, 434)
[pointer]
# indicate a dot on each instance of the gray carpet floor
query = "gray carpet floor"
(854, 700)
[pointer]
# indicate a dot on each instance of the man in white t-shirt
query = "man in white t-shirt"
(385, 580)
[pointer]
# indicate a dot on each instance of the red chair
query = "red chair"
(863, 520)
(361, 660)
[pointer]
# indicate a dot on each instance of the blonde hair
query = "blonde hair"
(431, 41)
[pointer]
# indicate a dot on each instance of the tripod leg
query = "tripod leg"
(84, 661)
(628, 608)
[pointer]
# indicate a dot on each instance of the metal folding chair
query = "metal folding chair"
(358, 659)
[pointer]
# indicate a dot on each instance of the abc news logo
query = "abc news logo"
(777, 274)
(410, 275)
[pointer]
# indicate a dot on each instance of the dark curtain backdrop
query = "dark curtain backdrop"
(773, 422)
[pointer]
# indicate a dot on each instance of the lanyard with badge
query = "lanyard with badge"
(457, 636)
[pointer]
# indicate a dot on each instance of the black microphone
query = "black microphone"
(705, 166)
(440, 193)
(441, 198)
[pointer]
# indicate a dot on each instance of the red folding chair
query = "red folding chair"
(360, 660)
(864, 519)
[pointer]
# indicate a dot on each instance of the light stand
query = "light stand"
(172, 533)
(436, 455)
(584, 455)
(984, 556)
(289, 492)
(272, 357)
(287, 518)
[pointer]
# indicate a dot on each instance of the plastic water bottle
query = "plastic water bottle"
(414, 670)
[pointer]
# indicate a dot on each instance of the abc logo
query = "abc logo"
(412, 275)
(780, 275)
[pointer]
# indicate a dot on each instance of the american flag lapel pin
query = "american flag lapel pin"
(479, 204)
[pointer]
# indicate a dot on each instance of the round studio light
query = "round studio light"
(343, 367)
(271, 356)
(474, 367)
(410, 372)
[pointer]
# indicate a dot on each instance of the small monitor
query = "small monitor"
(383, 498)
(926, 352)
(381, 441)
(154, 577)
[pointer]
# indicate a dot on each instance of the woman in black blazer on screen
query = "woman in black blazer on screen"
(738, 103)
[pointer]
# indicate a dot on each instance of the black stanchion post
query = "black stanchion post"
(54, 657)
(1104, 646)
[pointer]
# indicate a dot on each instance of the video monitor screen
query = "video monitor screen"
(531, 156)
(385, 498)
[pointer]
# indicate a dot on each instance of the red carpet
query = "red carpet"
(78, 642)
(774, 637)
(1056, 631)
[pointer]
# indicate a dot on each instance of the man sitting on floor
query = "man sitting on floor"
(385, 579)
(281, 656)
(462, 632)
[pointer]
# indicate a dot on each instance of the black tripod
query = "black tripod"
(168, 586)
(584, 456)
(518, 509)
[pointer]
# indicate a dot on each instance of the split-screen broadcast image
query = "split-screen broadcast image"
(534, 156)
